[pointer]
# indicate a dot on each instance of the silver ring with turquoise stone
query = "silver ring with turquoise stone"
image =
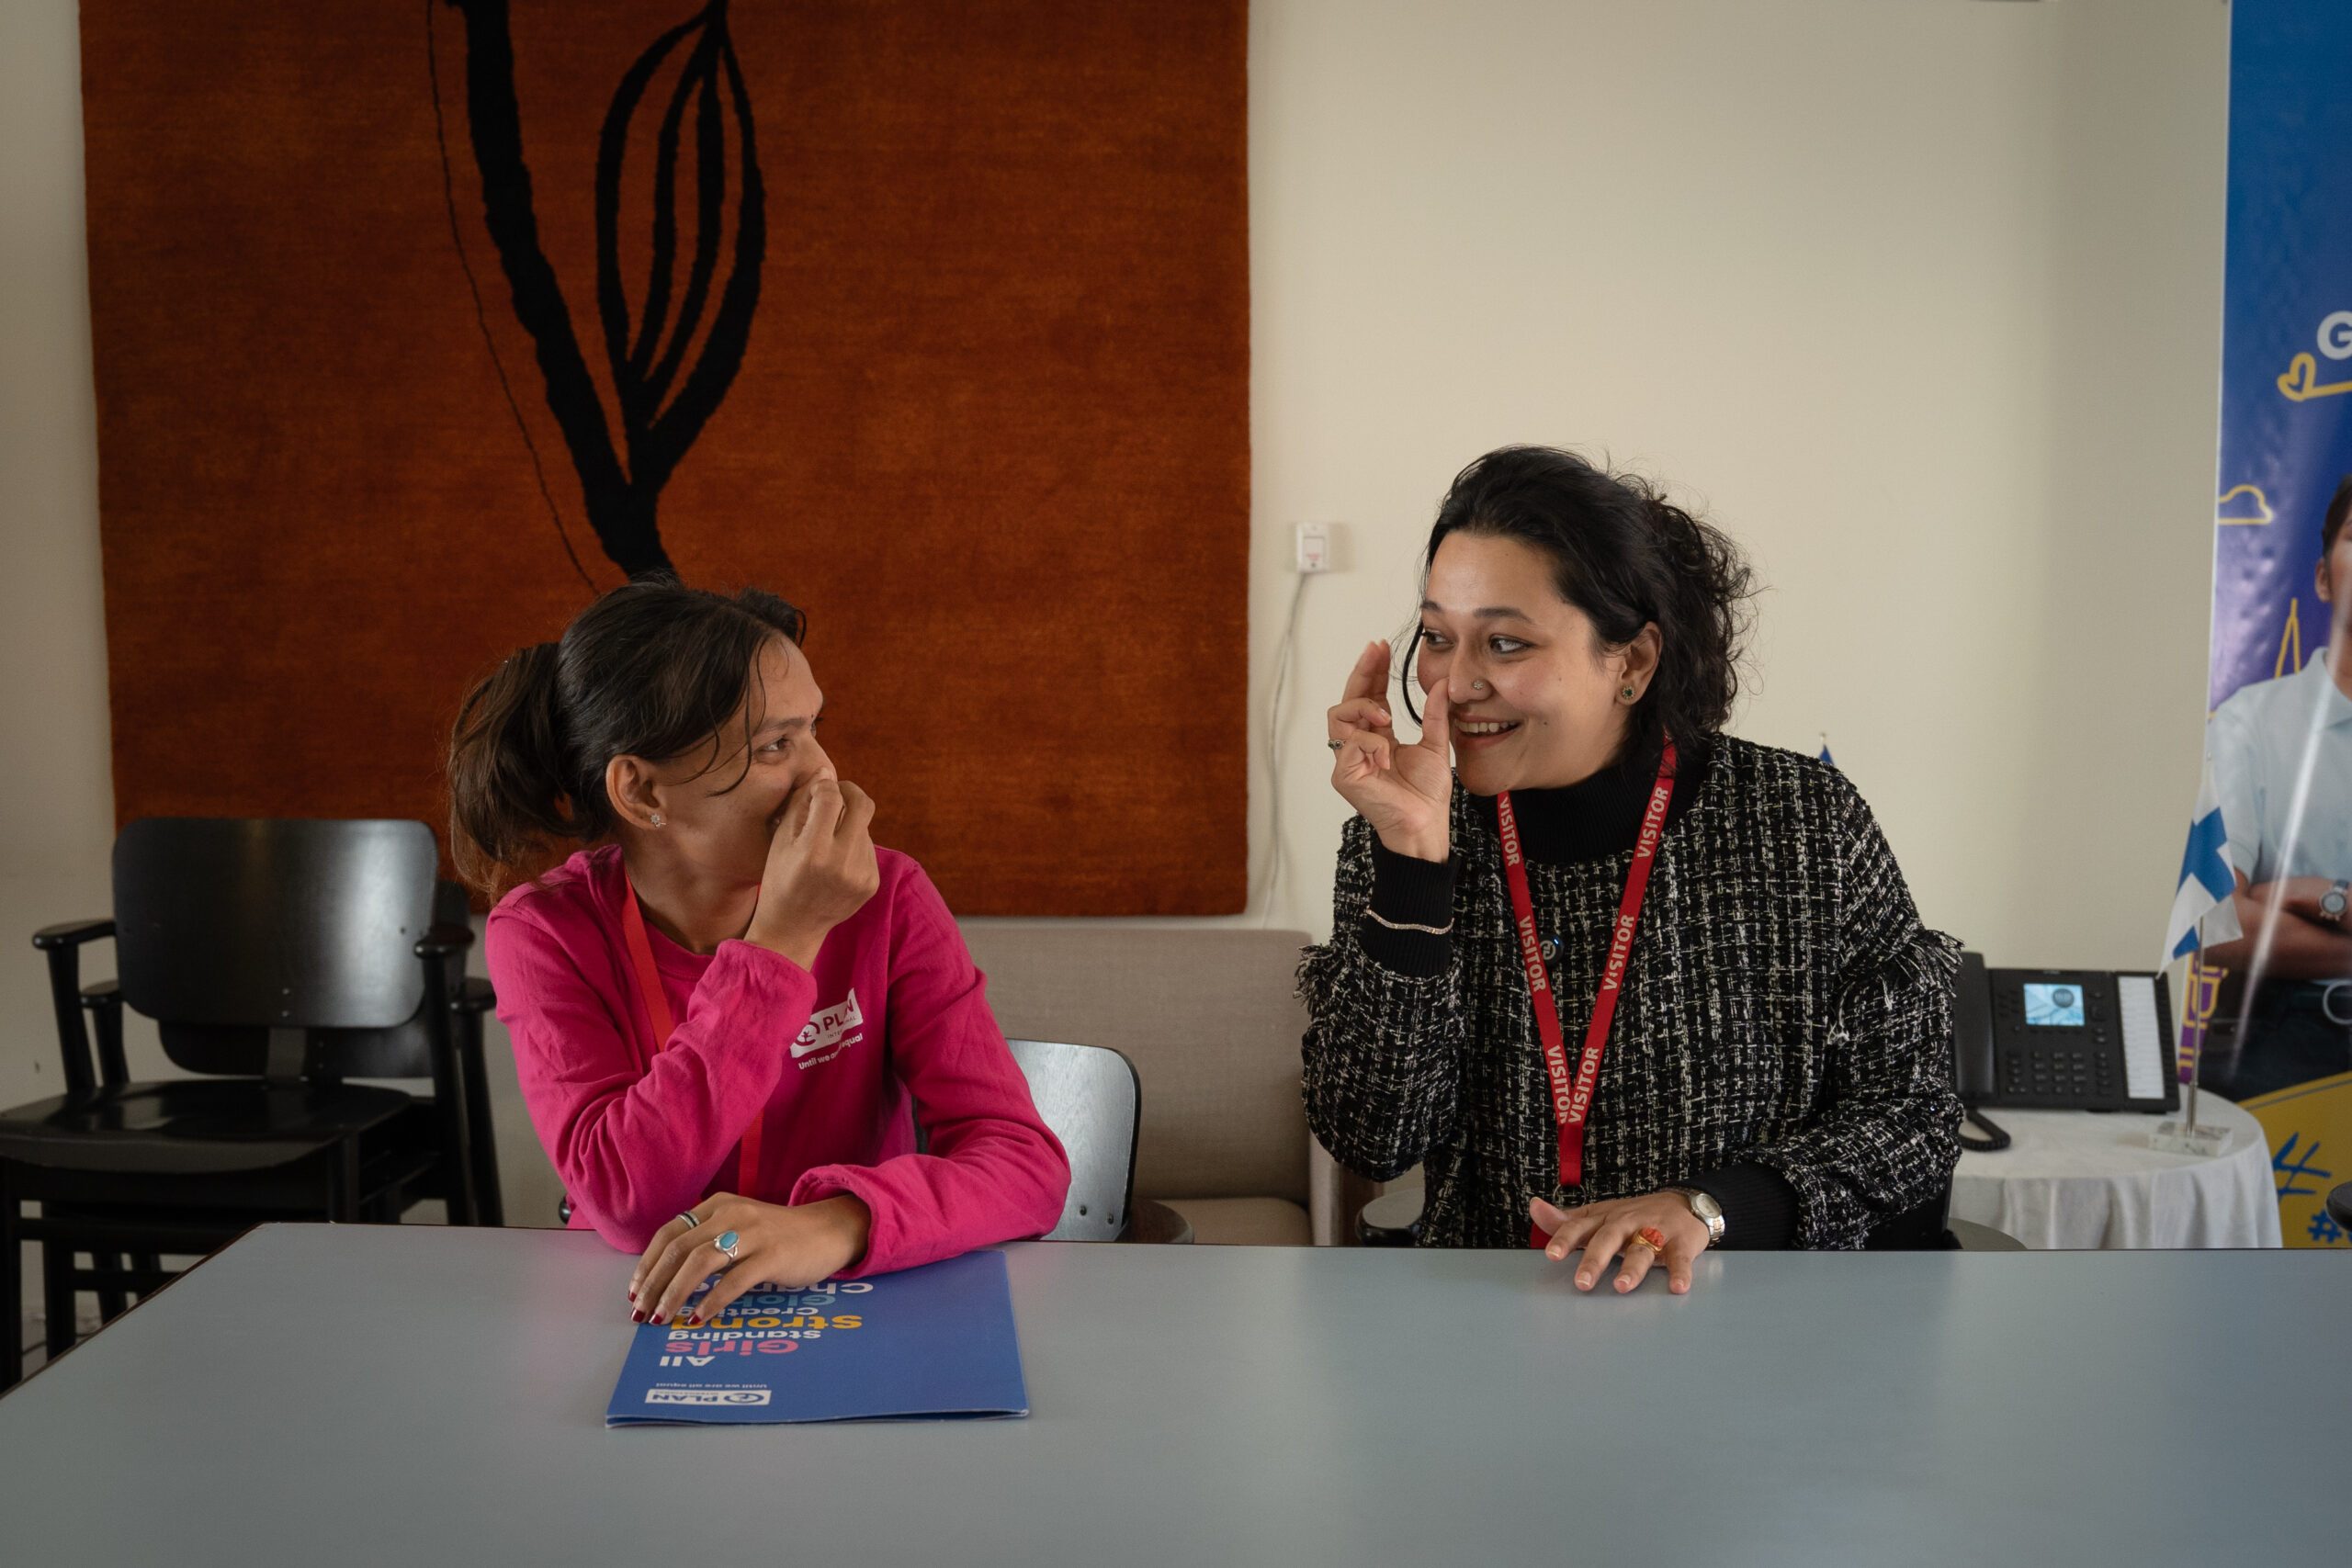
(727, 1243)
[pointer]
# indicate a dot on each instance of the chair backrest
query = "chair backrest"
(1209, 1019)
(1088, 1096)
(227, 929)
(405, 1050)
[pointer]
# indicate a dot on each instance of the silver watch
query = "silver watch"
(2331, 903)
(1703, 1204)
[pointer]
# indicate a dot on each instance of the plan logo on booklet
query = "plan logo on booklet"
(707, 1395)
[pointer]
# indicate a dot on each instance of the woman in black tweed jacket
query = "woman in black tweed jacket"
(1777, 1072)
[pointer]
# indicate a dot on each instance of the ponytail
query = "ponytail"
(510, 796)
(1702, 615)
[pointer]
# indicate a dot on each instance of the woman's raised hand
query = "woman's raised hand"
(1405, 792)
(821, 868)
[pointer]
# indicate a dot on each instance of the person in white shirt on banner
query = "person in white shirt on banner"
(2281, 755)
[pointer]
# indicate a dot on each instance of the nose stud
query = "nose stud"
(1477, 685)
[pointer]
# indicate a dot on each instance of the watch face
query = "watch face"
(1703, 1204)
(2331, 903)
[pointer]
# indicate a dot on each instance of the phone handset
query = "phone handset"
(1971, 1050)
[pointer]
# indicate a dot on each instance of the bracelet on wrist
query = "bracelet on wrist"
(1376, 917)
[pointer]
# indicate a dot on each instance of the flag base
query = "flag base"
(2177, 1137)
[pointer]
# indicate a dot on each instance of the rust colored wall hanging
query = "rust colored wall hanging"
(415, 324)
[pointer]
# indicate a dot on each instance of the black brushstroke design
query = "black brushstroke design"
(660, 414)
(482, 313)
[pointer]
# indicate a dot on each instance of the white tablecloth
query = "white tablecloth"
(2080, 1179)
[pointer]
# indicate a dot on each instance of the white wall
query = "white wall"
(1920, 299)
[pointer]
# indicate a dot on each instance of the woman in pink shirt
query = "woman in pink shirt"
(730, 1009)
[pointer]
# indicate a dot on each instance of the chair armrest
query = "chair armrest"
(475, 996)
(102, 999)
(73, 933)
(1393, 1219)
(60, 949)
(445, 941)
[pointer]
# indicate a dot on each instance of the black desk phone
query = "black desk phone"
(2069, 1039)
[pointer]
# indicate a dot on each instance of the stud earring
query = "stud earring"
(657, 820)
(1627, 693)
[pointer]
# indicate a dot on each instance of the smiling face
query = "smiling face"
(1537, 701)
(719, 816)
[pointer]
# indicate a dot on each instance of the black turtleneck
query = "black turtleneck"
(1406, 928)
(1592, 819)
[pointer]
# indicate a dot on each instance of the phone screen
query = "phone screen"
(2052, 1007)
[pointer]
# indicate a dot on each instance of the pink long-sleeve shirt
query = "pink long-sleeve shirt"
(893, 1010)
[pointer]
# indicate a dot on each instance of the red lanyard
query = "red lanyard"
(1572, 1099)
(657, 1008)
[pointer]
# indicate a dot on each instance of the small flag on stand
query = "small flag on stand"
(1824, 750)
(2201, 910)
(2202, 913)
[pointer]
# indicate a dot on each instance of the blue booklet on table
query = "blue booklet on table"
(931, 1342)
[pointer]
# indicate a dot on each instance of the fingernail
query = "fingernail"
(655, 1318)
(632, 1293)
(693, 1320)
(1624, 1284)
(636, 1316)
(1556, 1253)
(1584, 1282)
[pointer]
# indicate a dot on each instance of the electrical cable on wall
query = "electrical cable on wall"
(1284, 654)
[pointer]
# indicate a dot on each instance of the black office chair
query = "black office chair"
(2339, 1207)
(1091, 1098)
(293, 955)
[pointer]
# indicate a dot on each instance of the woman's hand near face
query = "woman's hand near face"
(821, 868)
(1606, 1230)
(775, 1244)
(1405, 792)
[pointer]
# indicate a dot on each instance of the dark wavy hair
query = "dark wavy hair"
(652, 670)
(2331, 524)
(1625, 556)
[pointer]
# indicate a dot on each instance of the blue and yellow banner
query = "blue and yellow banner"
(2281, 700)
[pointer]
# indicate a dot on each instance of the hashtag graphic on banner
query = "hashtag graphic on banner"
(2324, 1230)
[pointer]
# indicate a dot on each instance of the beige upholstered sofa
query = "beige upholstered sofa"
(1208, 1016)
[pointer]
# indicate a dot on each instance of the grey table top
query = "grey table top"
(424, 1396)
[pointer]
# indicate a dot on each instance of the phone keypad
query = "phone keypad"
(2077, 1064)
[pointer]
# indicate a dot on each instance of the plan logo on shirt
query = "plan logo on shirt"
(829, 1033)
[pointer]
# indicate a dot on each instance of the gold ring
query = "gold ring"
(1337, 745)
(1651, 1238)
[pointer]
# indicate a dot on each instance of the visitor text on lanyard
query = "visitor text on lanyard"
(1572, 1096)
(657, 1008)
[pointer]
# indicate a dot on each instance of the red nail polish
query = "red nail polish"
(632, 1293)
(694, 1320)
(636, 1316)
(655, 1318)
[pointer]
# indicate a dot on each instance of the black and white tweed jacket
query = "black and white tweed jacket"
(1784, 1007)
